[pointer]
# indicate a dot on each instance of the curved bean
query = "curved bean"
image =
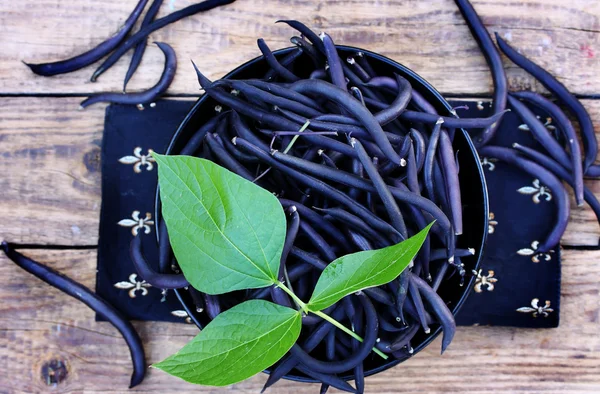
(146, 96)
(161, 281)
(94, 54)
(358, 95)
(420, 148)
(402, 293)
(226, 159)
(306, 32)
(334, 62)
(412, 176)
(403, 339)
(314, 339)
(197, 138)
(541, 134)
(143, 33)
(287, 62)
(382, 189)
(382, 82)
(450, 171)
(399, 104)
(360, 72)
(140, 48)
(165, 253)
(308, 49)
(379, 295)
(492, 57)
(430, 158)
(328, 379)
(359, 241)
(364, 63)
(274, 63)
(439, 309)
(547, 178)
(414, 295)
(563, 95)
(92, 300)
(564, 125)
(308, 258)
(326, 159)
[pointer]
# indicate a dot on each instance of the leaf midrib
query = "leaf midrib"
(345, 288)
(210, 216)
(294, 316)
(254, 345)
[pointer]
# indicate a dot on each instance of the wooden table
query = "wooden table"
(50, 182)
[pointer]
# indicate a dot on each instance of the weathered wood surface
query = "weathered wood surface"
(39, 324)
(428, 36)
(50, 180)
(50, 168)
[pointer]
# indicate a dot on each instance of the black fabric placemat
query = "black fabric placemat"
(516, 286)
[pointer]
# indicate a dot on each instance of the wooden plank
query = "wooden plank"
(51, 174)
(430, 37)
(50, 167)
(39, 324)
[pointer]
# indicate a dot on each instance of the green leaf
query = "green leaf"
(357, 271)
(226, 232)
(237, 344)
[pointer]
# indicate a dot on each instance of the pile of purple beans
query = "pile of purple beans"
(359, 161)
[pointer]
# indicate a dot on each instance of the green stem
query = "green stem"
(293, 141)
(297, 300)
(326, 317)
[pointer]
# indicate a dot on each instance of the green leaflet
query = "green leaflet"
(226, 232)
(236, 345)
(357, 271)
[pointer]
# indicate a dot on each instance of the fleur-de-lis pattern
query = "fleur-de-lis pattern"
(138, 223)
(134, 285)
(537, 190)
(182, 314)
(138, 160)
(536, 310)
(492, 223)
(536, 256)
(489, 163)
(484, 281)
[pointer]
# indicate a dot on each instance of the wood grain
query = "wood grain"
(50, 180)
(429, 37)
(50, 168)
(39, 324)
(51, 174)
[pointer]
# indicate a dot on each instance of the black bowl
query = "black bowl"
(473, 188)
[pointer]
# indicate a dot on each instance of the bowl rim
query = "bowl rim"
(426, 85)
